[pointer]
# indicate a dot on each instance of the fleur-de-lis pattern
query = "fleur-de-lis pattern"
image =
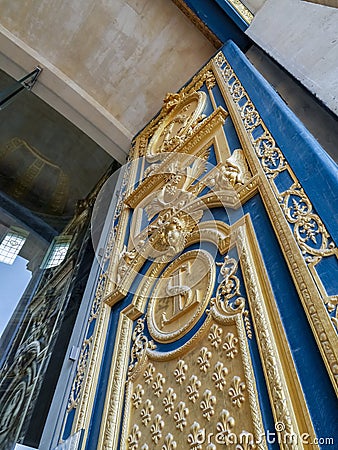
(168, 400)
(146, 411)
(196, 437)
(179, 401)
(148, 373)
(193, 388)
(215, 335)
(134, 437)
(156, 428)
(224, 428)
(136, 398)
(169, 443)
(207, 404)
(164, 406)
(158, 384)
(246, 441)
(180, 416)
(202, 392)
(230, 346)
(204, 359)
(180, 371)
(220, 372)
(236, 392)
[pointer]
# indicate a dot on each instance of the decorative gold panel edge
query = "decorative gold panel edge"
(248, 369)
(285, 391)
(309, 293)
(96, 343)
(112, 411)
(242, 10)
(86, 401)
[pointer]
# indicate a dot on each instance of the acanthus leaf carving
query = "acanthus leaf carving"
(138, 350)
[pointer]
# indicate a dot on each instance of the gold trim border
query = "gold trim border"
(242, 10)
(286, 395)
(309, 293)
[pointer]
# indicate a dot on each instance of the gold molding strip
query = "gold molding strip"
(285, 391)
(85, 382)
(243, 117)
(242, 10)
(112, 412)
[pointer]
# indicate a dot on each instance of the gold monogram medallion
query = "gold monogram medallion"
(181, 295)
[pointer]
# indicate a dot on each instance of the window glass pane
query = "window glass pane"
(11, 246)
(57, 252)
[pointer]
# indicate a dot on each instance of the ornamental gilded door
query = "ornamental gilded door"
(215, 310)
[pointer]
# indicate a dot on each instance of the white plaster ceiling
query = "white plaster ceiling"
(110, 62)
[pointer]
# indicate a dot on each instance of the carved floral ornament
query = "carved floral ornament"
(179, 186)
(174, 201)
